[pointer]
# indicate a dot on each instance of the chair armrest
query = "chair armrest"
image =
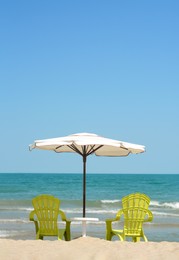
(109, 228)
(149, 216)
(119, 214)
(31, 215)
(68, 223)
(117, 218)
(63, 216)
(109, 221)
(31, 218)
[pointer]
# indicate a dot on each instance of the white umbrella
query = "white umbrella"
(86, 144)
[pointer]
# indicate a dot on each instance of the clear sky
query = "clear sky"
(104, 67)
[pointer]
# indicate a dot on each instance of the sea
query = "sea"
(103, 195)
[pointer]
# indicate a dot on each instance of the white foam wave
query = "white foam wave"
(94, 211)
(14, 221)
(100, 222)
(110, 201)
(4, 234)
(16, 209)
(165, 214)
(173, 205)
(154, 203)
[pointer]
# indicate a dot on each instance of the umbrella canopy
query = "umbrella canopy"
(86, 144)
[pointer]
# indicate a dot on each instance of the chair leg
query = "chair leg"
(67, 236)
(135, 239)
(122, 238)
(145, 238)
(108, 236)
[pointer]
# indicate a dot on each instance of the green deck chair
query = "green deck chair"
(135, 211)
(45, 216)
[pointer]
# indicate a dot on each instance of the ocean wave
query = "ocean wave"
(94, 211)
(173, 205)
(10, 233)
(4, 234)
(100, 222)
(165, 214)
(110, 201)
(114, 211)
(15, 221)
(15, 209)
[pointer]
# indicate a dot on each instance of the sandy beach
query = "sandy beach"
(86, 248)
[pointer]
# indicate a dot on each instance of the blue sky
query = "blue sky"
(104, 67)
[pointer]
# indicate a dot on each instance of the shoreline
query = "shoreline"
(87, 248)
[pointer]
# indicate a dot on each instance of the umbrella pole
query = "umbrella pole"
(84, 186)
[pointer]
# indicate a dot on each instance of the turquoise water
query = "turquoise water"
(104, 193)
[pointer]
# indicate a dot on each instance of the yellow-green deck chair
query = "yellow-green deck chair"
(135, 211)
(45, 216)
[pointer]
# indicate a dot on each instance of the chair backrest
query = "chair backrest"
(46, 209)
(135, 207)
